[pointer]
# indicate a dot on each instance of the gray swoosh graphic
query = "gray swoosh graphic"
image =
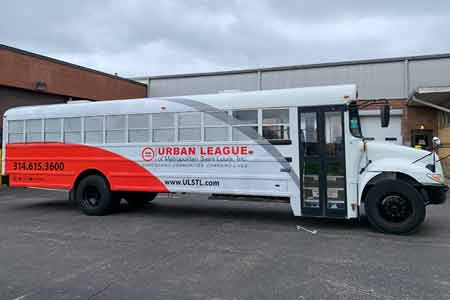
(229, 120)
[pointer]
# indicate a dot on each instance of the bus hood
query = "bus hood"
(379, 150)
(387, 157)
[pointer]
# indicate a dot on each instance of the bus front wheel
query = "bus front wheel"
(94, 196)
(395, 206)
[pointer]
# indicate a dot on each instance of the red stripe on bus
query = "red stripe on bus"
(57, 165)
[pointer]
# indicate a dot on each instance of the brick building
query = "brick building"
(31, 79)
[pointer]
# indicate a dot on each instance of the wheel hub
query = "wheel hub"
(92, 196)
(395, 208)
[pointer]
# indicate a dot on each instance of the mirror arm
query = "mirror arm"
(417, 160)
(445, 157)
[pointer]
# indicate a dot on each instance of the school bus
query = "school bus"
(304, 145)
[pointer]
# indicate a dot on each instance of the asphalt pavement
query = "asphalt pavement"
(189, 247)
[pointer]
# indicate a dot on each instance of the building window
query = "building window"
(275, 124)
(245, 125)
(138, 128)
(16, 131)
(72, 130)
(163, 127)
(52, 130)
(33, 130)
(93, 130)
(115, 129)
(215, 126)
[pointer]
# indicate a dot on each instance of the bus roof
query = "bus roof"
(308, 96)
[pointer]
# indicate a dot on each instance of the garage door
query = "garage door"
(371, 128)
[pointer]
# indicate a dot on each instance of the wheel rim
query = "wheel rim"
(91, 196)
(395, 208)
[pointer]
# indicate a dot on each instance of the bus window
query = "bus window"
(189, 127)
(334, 140)
(245, 125)
(52, 130)
(115, 129)
(72, 130)
(16, 131)
(335, 173)
(93, 130)
(309, 133)
(163, 126)
(33, 129)
(275, 124)
(138, 128)
(215, 126)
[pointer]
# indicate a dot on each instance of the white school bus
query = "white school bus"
(304, 145)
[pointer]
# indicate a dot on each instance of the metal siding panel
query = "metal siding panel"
(203, 84)
(374, 81)
(427, 73)
(371, 128)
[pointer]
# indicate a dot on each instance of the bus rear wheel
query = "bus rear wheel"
(139, 199)
(94, 196)
(395, 206)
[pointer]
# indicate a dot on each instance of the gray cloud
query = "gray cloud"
(139, 37)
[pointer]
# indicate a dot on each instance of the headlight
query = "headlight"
(435, 177)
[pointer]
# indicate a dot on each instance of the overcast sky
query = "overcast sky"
(153, 37)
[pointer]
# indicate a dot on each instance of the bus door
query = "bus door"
(322, 161)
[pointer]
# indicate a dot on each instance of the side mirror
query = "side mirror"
(385, 115)
(436, 142)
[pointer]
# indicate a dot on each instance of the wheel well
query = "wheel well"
(86, 173)
(388, 175)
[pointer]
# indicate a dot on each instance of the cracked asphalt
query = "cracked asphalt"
(188, 247)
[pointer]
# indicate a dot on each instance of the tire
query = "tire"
(139, 199)
(94, 197)
(394, 206)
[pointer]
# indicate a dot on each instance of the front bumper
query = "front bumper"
(435, 194)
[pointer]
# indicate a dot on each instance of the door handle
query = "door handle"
(286, 169)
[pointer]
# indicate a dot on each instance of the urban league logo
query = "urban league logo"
(148, 154)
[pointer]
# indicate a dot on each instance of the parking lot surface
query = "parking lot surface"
(188, 247)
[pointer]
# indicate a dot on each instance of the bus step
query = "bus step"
(231, 197)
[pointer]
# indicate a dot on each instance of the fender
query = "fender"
(418, 171)
(393, 165)
(364, 178)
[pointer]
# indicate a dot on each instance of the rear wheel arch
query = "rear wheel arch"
(87, 173)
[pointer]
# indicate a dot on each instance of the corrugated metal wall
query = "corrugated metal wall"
(203, 84)
(374, 80)
(392, 78)
(427, 73)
